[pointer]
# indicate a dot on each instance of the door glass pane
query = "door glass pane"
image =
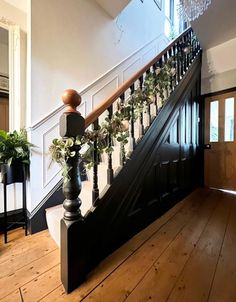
(214, 121)
(229, 120)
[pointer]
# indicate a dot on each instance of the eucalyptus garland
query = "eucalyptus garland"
(157, 85)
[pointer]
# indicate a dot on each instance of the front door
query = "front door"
(220, 142)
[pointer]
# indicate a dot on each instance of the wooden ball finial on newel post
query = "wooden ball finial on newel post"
(73, 247)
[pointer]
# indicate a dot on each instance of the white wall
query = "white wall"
(77, 45)
(77, 41)
(13, 15)
(219, 67)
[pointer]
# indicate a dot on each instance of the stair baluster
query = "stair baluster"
(122, 147)
(179, 62)
(175, 66)
(188, 39)
(132, 137)
(170, 53)
(95, 191)
(141, 126)
(148, 113)
(155, 65)
(110, 171)
(185, 52)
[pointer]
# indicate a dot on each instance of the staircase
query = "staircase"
(153, 158)
(55, 214)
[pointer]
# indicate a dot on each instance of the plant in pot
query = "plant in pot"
(14, 155)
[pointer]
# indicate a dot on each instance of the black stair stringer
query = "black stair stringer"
(163, 168)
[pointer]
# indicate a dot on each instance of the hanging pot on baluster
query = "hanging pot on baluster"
(13, 173)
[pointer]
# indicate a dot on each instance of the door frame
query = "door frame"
(202, 122)
(15, 67)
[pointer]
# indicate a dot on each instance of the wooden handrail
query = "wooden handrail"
(107, 102)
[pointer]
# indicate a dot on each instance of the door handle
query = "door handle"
(207, 146)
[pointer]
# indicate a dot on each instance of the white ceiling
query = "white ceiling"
(113, 7)
(20, 4)
(217, 25)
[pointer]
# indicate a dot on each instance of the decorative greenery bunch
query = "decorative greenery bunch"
(14, 147)
(157, 85)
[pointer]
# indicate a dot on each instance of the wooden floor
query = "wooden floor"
(189, 254)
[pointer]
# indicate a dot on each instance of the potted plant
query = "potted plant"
(14, 155)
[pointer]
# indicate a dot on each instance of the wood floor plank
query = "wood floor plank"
(175, 258)
(121, 282)
(42, 285)
(195, 280)
(158, 282)
(17, 279)
(113, 261)
(22, 245)
(12, 237)
(13, 297)
(18, 260)
(224, 285)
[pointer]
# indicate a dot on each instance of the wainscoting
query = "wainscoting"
(43, 176)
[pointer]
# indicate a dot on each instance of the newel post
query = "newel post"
(72, 125)
(73, 247)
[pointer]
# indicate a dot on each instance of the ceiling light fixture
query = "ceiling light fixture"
(192, 9)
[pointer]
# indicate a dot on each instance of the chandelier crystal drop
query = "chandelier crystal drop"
(192, 9)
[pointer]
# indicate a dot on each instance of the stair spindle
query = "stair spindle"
(175, 66)
(191, 45)
(155, 101)
(95, 191)
(122, 147)
(141, 126)
(180, 63)
(148, 107)
(185, 52)
(110, 171)
(170, 53)
(188, 44)
(132, 137)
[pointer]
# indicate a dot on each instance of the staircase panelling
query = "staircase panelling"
(132, 69)
(43, 180)
(162, 169)
(105, 89)
(50, 170)
(148, 55)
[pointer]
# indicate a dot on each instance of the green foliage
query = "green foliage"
(61, 150)
(14, 147)
(156, 86)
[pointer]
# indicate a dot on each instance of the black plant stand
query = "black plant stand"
(12, 175)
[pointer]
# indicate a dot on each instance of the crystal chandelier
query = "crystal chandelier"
(192, 9)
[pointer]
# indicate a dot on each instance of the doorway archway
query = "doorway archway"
(15, 74)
